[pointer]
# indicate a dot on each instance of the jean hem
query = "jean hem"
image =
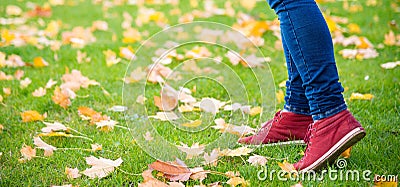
(297, 110)
(330, 113)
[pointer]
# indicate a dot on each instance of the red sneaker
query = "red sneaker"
(328, 138)
(284, 128)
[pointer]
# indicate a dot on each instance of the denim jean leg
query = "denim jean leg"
(310, 46)
(295, 99)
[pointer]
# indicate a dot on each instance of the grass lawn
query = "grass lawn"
(378, 152)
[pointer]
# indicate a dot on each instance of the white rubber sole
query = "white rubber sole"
(294, 142)
(332, 154)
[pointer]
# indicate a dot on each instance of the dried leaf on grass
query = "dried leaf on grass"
(101, 167)
(48, 149)
(32, 115)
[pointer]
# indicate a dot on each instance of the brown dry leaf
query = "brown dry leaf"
(55, 134)
(111, 57)
(7, 91)
(173, 171)
(191, 151)
(39, 62)
(31, 115)
(75, 80)
(72, 173)
(27, 152)
(1, 128)
(346, 153)
(241, 151)
(48, 149)
(236, 181)
(61, 98)
(39, 11)
(101, 167)
(359, 96)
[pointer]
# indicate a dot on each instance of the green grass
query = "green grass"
(377, 152)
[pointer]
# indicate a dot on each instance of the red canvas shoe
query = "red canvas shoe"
(328, 138)
(284, 128)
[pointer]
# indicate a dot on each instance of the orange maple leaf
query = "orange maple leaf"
(61, 98)
(31, 115)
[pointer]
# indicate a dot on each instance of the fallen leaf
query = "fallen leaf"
(288, 167)
(359, 96)
(390, 65)
(106, 125)
(23, 83)
(212, 158)
(384, 183)
(192, 124)
(31, 115)
(241, 151)
(111, 58)
(72, 173)
(40, 92)
(346, 153)
(96, 147)
(118, 108)
(257, 160)
(13, 10)
(191, 151)
(147, 136)
(27, 152)
(141, 99)
(48, 149)
(255, 111)
(173, 171)
(223, 127)
(101, 167)
(165, 116)
(150, 181)
(53, 127)
(39, 62)
(61, 98)
(280, 96)
(236, 181)
(126, 52)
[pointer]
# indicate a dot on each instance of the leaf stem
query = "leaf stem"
(128, 173)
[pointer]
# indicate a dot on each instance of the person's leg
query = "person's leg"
(310, 46)
(295, 98)
(291, 126)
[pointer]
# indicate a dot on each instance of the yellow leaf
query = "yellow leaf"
(346, 153)
(55, 134)
(354, 28)
(288, 167)
(280, 96)
(383, 183)
(390, 39)
(39, 62)
(31, 115)
(7, 36)
(255, 110)
(236, 181)
(359, 96)
(248, 4)
(193, 124)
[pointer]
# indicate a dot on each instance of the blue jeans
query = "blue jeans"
(313, 87)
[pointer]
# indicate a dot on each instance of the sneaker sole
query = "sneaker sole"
(329, 157)
(294, 142)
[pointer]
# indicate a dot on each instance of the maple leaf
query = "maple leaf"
(210, 105)
(359, 96)
(99, 25)
(191, 151)
(27, 152)
(82, 57)
(390, 39)
(40, 92)
(156, 72)
(86, 111)
(297, 185)
(165, 116)
(257, 160)
(192, 124)
(52, 127)
(106, 125)
(288, 168)
(150, 181)
(212, 158)
(131, 35)
(135, 76)
(75, 80)
(141, 99)
(31, 115)
(111, 58)
(61, 98)
(236, 181)
(382, 183)
(39, 62)
(48, 149)
(232, 129)
(13, 10)
(101, 167)
(173, 171)
(126, 52)
(4, 76)
(72, 173)
(19, 74)
(23, 83)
